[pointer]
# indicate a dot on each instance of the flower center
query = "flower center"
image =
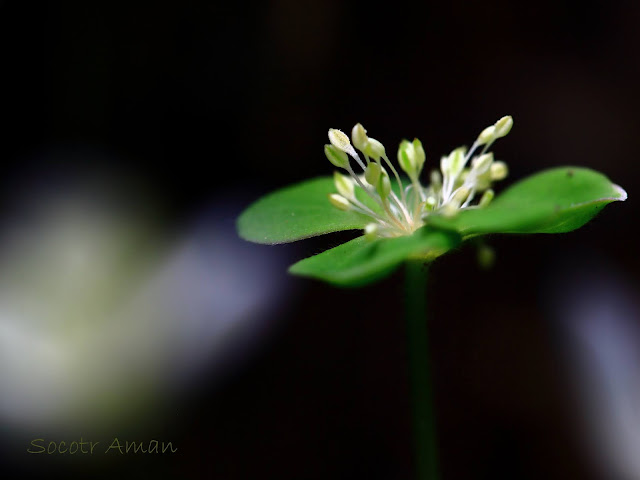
(398, 208)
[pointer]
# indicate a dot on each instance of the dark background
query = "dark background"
(200, 98)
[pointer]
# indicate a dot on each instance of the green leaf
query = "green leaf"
(552, 201)
(296, 212)
(359, 261)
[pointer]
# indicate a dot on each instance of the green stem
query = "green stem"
(420, 371)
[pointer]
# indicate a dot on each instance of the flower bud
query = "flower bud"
(336, 157)
(374, 149)
(499, 171)
(487, 135)
(371, 231)
(344, 185)
(372, 173)
(503, 126)
(339, 202)
(359, 137)
(486, 198)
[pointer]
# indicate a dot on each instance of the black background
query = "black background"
(199, 98)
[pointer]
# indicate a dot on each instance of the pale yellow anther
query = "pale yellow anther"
(487, 196)
(339, 140)
(420, 156)
(339, 201)
(371, 231)
(487, 135)
(435, 178)
(374, 149)
(445, 163)
(482, 163)
(372, 173)
(411, 157)
(463, 181)
(456, 161)
(499, 171)
(406, 157)
(344, 185)
(459, 196)
(337, 157)
(383, 186)
(449, 210)
(359, 137)
(503, 126)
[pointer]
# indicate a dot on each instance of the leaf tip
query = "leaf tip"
(622, 193)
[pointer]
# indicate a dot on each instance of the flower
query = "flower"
(401, 219)
(453, 188)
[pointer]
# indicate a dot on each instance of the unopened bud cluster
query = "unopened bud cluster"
(464, 176)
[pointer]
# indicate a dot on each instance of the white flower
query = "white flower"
(463, 175)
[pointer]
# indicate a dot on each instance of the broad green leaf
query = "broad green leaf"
(360, 261)
(301, 211)
(552, 201)
(296, 212)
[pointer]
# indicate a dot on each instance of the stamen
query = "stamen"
(451, 189)
(395, 173)
(469, 198)
(362, 186)
(367, 211)
(487, 196)
(339, 202)
(356, 157)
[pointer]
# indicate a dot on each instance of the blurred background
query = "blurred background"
(135, 134)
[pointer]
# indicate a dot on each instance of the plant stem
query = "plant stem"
(420, 371)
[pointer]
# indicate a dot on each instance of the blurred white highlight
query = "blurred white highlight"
(597, 309)
(100, 315)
